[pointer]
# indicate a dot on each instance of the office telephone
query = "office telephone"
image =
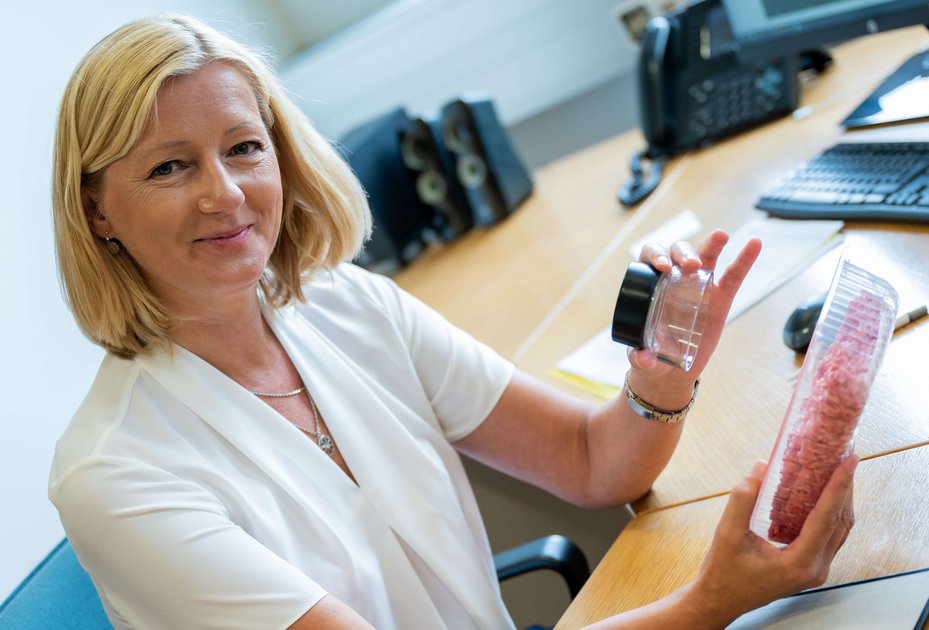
(693, 89)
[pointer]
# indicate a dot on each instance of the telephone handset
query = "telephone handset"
(655, 70)
(693, 90)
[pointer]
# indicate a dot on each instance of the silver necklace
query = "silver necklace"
(299, 390)
(323, 441)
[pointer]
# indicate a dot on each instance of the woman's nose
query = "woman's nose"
(219, 192)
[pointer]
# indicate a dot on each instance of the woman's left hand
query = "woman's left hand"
(725, 286)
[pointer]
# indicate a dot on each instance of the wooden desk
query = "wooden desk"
(553, 270)
(662, 550)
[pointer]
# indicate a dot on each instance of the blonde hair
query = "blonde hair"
(105, 108)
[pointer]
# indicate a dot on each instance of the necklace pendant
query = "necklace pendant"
(325, 443)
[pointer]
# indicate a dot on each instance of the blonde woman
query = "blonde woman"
(273, 437)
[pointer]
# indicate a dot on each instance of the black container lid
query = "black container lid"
(633, 303)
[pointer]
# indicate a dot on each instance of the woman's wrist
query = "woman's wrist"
(664, 391)
(705, 610)
(683, 608)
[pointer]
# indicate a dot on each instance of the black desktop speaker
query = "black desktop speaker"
(435, 182)
(401, 219)
(494, 179)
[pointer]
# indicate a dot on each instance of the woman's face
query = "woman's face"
(197, 202)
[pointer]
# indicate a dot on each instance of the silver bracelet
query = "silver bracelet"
(650, 412)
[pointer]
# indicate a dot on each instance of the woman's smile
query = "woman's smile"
(227, 238)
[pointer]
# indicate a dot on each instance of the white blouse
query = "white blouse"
(193, 504)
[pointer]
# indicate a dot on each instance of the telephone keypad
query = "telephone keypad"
(721, 106)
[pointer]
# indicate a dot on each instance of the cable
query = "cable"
(642, 184)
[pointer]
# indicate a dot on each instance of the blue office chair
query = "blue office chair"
(59, 594)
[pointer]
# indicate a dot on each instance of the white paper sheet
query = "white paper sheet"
(679, 228)
(788, 247)
(893, 603)
(600, 360)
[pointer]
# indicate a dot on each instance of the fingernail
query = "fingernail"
(662, 260)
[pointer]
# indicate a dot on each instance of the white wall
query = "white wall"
(46, 365)
(530, 55)
(310, 21)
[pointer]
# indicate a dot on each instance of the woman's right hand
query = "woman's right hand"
(742, 571)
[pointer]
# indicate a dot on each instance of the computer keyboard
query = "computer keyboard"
(857, 181)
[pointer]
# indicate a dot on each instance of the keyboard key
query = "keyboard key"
(814, 196)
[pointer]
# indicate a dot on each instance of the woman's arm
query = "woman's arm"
(330, 613)
(606, 455)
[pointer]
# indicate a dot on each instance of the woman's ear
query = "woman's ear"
(98, 223)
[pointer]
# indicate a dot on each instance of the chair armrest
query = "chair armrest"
(554, 552)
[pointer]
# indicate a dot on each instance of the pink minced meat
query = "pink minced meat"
(822, 436)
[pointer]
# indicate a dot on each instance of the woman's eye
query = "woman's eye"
(164, 169)
(245, 148)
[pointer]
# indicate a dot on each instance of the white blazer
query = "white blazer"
(193, 504)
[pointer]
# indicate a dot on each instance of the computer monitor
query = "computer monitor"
(764, 28)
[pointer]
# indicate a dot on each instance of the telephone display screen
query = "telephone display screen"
(759, 17)
(780, 7)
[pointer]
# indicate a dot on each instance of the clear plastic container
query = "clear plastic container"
(819, 428)
(665, 313)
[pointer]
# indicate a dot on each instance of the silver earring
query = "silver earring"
(111, 244)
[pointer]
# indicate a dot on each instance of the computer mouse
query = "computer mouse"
(798, 331)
